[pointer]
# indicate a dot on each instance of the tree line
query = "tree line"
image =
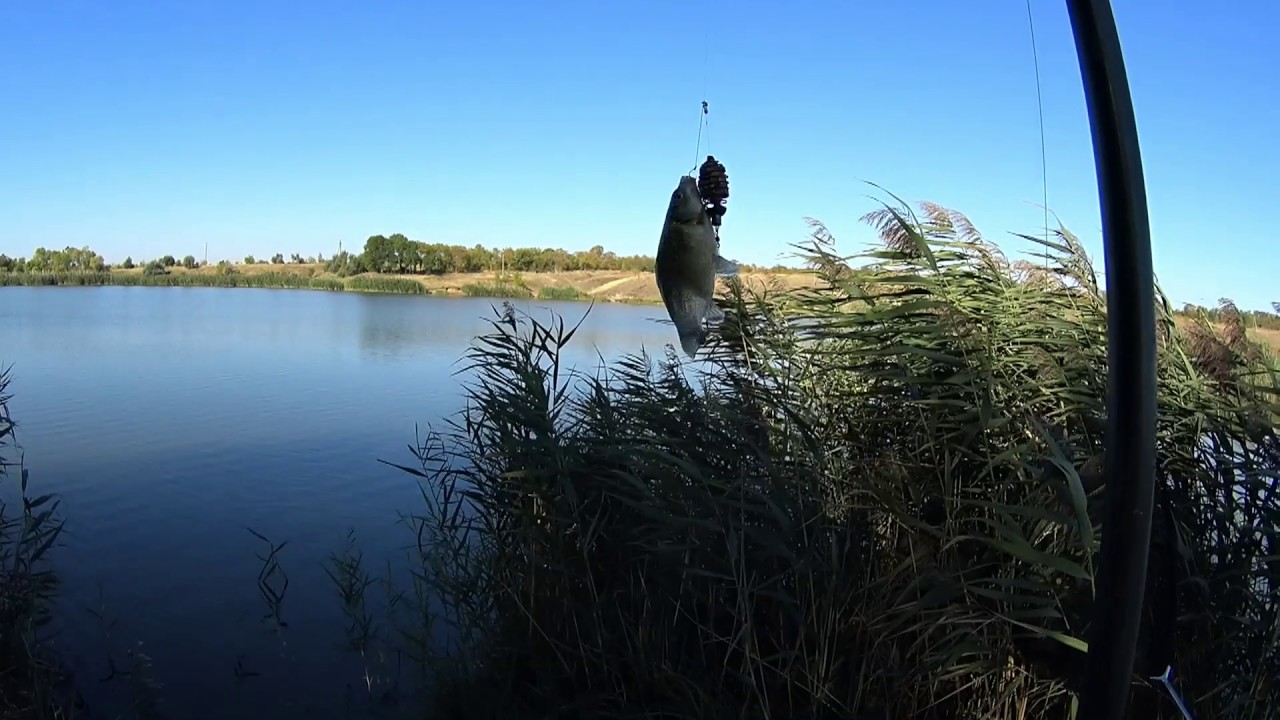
(1252, 318)
(387, 254)
(399, 255)
(84, 259)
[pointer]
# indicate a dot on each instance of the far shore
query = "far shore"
(614, 286)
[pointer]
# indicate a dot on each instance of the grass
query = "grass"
(31, 680)
(383, 284)
(883, 502)
(504, 286)
(275, 280)
(561, 292)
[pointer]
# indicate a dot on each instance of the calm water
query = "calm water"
(172, 419)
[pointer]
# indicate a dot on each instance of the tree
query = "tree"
(344, 264)
(168, 261)
(404, 255)
(68, 259)
(277, 259)
(296, 259)
(378, 255)
(248, 260)
(189, 262)
(128, 263)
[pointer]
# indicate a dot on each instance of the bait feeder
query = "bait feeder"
(1131, 363)
(713, 186)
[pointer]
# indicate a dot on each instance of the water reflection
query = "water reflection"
(403, 326)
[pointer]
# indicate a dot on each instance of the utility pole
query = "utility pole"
(206, 253)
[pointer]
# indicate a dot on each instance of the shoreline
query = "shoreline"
(582, 286)
(612, 286)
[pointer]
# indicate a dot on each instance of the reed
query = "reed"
(500, 289)
(31, 679)
(389, 285)
(880, 499)
(228, 278)
(561, 292)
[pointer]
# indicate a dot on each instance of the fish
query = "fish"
(686, 266)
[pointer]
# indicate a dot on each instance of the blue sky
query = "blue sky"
(146, 128)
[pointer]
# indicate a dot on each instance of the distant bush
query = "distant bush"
(344, 264)
(379, 284)
(550, 292)
(50, 278)
(327, 284)
(508, 285)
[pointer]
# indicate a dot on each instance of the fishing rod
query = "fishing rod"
(1131, 363)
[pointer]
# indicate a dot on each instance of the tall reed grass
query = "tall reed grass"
(499, 289)
(31, 679)
(228, 279)
(561, 292)
(879, 499)
(392, 285)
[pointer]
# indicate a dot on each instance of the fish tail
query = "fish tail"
(725, 267)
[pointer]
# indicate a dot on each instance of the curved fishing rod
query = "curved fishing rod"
(1131, 363)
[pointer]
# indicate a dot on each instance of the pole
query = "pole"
(1131, 374)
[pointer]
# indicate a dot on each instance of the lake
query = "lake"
(172, 419)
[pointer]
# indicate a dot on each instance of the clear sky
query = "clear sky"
(151, 128)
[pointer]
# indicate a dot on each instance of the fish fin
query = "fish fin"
(691, 340)
(713, 313)
(725, 267)
(693, 337)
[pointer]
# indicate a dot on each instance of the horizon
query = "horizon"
(146, 130)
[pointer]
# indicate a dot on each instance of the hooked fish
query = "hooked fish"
(687, 264)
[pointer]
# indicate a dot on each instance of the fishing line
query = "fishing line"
(1044, 166)
(702, 123)
(703, 120)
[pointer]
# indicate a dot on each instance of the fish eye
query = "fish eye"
(679, 194)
